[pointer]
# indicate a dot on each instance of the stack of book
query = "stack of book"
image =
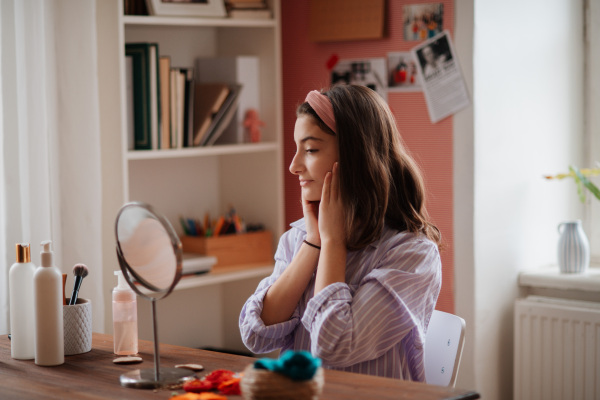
(167, 108)
(248, 9)
(176, 102)
(216, 105)
(238, 70)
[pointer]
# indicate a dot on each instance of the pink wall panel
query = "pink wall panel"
(304, 69)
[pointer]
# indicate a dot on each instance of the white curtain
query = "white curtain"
(50, 179)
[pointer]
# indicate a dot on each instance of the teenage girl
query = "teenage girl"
(356, 280)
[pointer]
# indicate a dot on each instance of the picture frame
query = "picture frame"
(189, 8)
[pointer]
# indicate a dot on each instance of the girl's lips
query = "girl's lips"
(304, 182)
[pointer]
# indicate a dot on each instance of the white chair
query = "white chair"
(444, 342)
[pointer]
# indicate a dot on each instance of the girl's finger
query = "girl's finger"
(326, 192)
(303, 200)
(335, 182)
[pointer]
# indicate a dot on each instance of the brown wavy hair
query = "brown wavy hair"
(380, 183)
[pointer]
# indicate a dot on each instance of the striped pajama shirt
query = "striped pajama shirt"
(373, 324)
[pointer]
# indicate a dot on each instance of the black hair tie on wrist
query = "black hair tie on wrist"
(312, 245)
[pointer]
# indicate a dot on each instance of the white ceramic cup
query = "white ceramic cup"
(77, 324)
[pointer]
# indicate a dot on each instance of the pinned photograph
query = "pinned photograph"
(443, 85)
(367, 72)
(403, 74)
(423, 21)
(435, 57)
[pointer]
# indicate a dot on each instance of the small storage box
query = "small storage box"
(234, 249)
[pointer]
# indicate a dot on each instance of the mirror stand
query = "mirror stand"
(156, 378)
(149, 254)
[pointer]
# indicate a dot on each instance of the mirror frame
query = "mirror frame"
(129, 273)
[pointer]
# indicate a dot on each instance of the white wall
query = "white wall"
(527, 83)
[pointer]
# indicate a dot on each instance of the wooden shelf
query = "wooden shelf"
(229, 274)
(187, 21)
(223, 275)
(216, 150)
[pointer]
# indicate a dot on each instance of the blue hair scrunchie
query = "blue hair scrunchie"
(296, 365)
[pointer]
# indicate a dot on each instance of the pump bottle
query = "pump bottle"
(47, 283)
(125, 329)
(20, 288)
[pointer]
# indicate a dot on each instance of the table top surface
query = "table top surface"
(93, 375)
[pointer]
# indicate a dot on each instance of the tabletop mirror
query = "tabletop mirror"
(150, 256)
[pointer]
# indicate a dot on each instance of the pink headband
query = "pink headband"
(322, 106)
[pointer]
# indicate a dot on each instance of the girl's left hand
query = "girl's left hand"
(331, 209)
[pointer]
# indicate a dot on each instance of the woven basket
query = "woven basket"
(262, 384)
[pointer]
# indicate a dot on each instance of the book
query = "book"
(242, 3)
(154, 96)
(165, 101)
(177, 140)
(241, 70)
(246, 4)
(248, 9)
(208, 99)
(250, 13)
(141, 104)
(223, 117)
(236, 2)
(146, 92)
(188, 116)
(129, 102)
(196, 263)
(135, 7)
(173, 105)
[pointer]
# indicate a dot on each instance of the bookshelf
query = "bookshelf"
(208, 179)
(193, 181)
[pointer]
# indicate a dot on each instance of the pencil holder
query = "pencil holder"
(77, 324)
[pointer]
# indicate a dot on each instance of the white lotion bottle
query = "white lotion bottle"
(124, 308)
(22, 311)
(49, 334)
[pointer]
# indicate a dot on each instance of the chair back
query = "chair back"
(444, 343)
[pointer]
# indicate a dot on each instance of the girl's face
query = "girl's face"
(316, 152)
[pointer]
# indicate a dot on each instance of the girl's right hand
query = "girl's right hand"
(310, 209)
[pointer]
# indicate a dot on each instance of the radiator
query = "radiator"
(557, 349)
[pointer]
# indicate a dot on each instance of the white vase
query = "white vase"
(573, 248)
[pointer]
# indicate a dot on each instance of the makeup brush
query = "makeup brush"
(64, 276)
(80, 271)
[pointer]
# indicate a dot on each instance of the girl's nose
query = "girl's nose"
(295, 165)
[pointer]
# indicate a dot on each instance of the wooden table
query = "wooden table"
(93, 375)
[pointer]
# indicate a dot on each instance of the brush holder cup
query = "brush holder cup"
(77, 324)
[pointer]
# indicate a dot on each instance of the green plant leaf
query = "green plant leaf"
(577, 177)
(581, 179)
